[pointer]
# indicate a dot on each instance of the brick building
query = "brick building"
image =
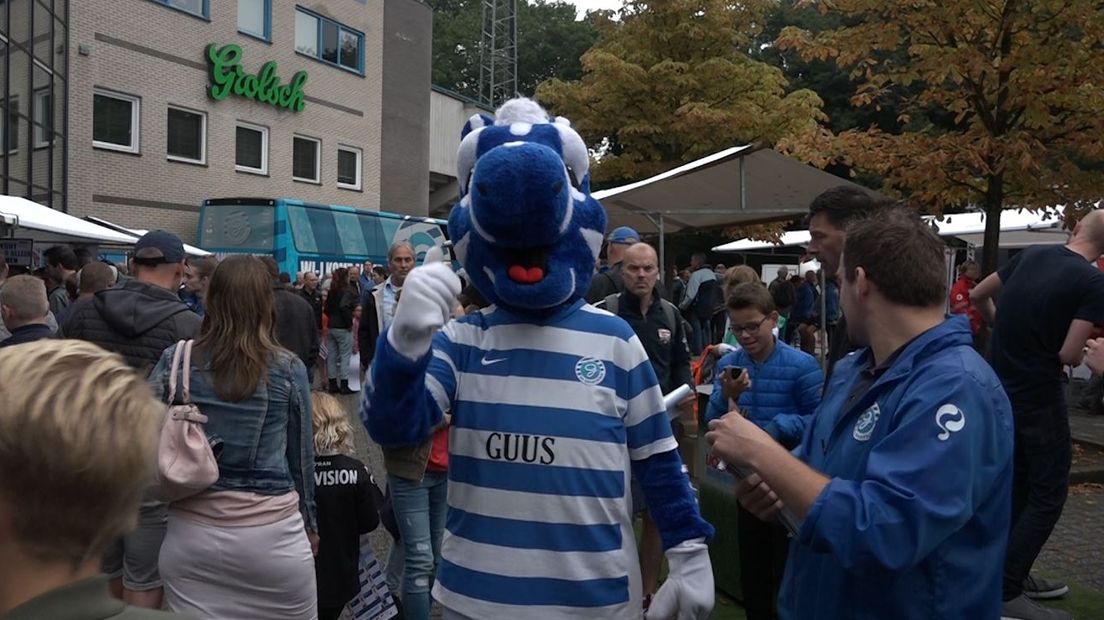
(163, 103)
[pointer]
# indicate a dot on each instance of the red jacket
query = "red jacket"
(961, 304)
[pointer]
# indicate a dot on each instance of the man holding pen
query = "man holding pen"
(902, 481)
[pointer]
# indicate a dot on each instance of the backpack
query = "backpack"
(186, 464)
(783, 293)
(612, 302)
(708, 299)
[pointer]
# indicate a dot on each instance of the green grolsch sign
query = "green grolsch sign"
(227, 77)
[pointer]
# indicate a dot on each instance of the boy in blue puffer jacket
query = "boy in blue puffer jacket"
(778, 388)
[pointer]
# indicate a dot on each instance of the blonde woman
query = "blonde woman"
(348, 507)
(241, 549)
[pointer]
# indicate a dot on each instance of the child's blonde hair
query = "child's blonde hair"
(332, 433)
(78, 444)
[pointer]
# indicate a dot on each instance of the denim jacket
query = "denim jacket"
(263, 444)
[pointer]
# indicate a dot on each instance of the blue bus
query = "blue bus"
(304, 236)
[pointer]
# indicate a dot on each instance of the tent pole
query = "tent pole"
(662, 252)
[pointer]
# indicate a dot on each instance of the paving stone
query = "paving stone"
(1075, 550)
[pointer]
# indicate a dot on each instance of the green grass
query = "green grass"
(727, 609)
(1082, 602)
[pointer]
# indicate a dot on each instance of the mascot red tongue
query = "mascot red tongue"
(553, 401)
(523, 275)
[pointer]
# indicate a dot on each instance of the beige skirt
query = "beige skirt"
(231, 573)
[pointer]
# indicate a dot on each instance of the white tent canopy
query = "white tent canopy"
(739, 185)
(45, 225)
(1018, 229)
(190, 250)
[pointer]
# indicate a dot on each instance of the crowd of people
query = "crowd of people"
(904, 464)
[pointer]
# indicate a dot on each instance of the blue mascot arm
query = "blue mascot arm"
(403, 400)
(670, 499)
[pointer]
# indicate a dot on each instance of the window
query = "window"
(115, 121)
(306, 33)
(200, 8)
(11, 127)
(187, 136)
(348, 167)
(304, 160)
(350, 50)
(329, 41)
(43, 118)
(251, 152)
(255, 18)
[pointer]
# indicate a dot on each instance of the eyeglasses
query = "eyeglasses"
(749, 329)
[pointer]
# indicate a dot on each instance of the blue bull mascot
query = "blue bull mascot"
(553, 402)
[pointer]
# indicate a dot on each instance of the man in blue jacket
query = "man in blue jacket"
(778, 388)
(903, 478)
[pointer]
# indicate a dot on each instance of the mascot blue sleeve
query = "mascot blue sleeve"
(403, 400)
(656, 462)
(551, 400)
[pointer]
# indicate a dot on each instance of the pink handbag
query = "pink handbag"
(186, 464)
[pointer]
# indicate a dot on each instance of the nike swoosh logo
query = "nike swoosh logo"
(487, 362)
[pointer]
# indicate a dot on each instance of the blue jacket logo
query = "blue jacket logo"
(949, 419)
(864, 427)
(590, 371)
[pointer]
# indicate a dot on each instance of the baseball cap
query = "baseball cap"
(623, 235)
(170, 246)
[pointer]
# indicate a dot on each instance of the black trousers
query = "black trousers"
(763, 549)
(1040, 481)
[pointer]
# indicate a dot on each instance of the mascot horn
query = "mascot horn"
(553, 402)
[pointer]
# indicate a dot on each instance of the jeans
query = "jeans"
(420, 510)
(1040, 480)
(339, 346)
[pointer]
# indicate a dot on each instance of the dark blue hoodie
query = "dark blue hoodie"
(914, 522)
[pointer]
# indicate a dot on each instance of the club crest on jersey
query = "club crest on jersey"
(864, 427)
(590, 371)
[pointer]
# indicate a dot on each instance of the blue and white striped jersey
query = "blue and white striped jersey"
(546, 419)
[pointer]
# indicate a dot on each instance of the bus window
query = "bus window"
(332, 232)
(238, 227)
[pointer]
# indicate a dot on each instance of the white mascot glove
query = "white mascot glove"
(688, 592)
(426, 304)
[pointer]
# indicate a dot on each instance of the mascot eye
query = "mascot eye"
(481, 188)
(557, 187)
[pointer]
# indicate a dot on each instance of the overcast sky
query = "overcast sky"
(586, 5)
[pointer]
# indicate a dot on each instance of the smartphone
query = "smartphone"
(734, 372)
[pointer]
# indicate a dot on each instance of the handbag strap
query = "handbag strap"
(181, 363)
(186, 368)
(174, 369)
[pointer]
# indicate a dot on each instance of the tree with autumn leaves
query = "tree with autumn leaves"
(1001, 102)
(670, 82)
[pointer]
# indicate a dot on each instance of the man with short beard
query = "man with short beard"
(902, 482)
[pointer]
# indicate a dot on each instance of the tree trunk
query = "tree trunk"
(994, 205)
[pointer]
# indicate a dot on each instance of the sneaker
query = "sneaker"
(1023, 608)
(1039, 588)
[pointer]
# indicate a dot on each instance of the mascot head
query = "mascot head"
(526, 228)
